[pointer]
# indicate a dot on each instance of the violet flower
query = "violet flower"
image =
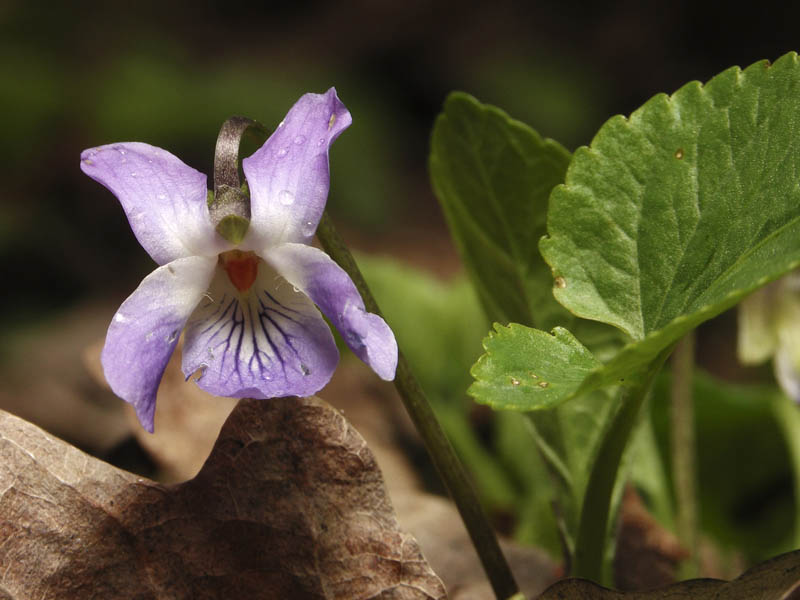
(769, 327)
(247, 309)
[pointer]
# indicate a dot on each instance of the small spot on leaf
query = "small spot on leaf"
(543, 384)
(560, 282)
(679, 153)
(514, 381)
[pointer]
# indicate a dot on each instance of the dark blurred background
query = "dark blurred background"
(76, 75)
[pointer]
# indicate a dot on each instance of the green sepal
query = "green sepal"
(233, 228)
(229, 210)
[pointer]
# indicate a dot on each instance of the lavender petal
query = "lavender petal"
(145, 330)
(315, 273)
(163, 198)
(289, 176)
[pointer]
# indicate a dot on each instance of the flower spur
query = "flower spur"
(246, 305)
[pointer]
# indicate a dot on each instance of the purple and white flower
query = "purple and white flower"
(247, 309)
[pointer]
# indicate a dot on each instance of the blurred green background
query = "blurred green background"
(76, 75)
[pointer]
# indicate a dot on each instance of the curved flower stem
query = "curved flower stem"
(441, 451)
(593, 526)
(682, 449)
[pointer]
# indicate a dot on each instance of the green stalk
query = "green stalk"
(441, 451)
(682, 448)
(593, 526)
(787, 414)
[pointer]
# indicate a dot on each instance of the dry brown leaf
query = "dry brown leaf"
(375, 409)
(187, 419)
(775, 579)
(290, 504)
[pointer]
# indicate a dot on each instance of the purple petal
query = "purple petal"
(163, 198)
(289, 176)
(145, 330)
(268, 342)
(314, 272)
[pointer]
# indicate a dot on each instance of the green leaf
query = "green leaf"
(493, 176)
(535, 523)
(675, 214)
(567, 439)
(506, 379)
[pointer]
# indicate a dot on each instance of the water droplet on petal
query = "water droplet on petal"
(300, 139)
(286, 197)
(308, 228)
(320, 141)
(514, 381)
(162, 196)
(281, 124)
(133, 174)
(121, 151)
(543, 384)
(282, 152)
(296, 290)
(304, 369)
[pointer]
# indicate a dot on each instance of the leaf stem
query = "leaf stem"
(682, 449)
(787, 414)
(594, 519)
(441, 451)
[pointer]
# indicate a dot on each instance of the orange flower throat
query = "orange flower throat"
(242, 268)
